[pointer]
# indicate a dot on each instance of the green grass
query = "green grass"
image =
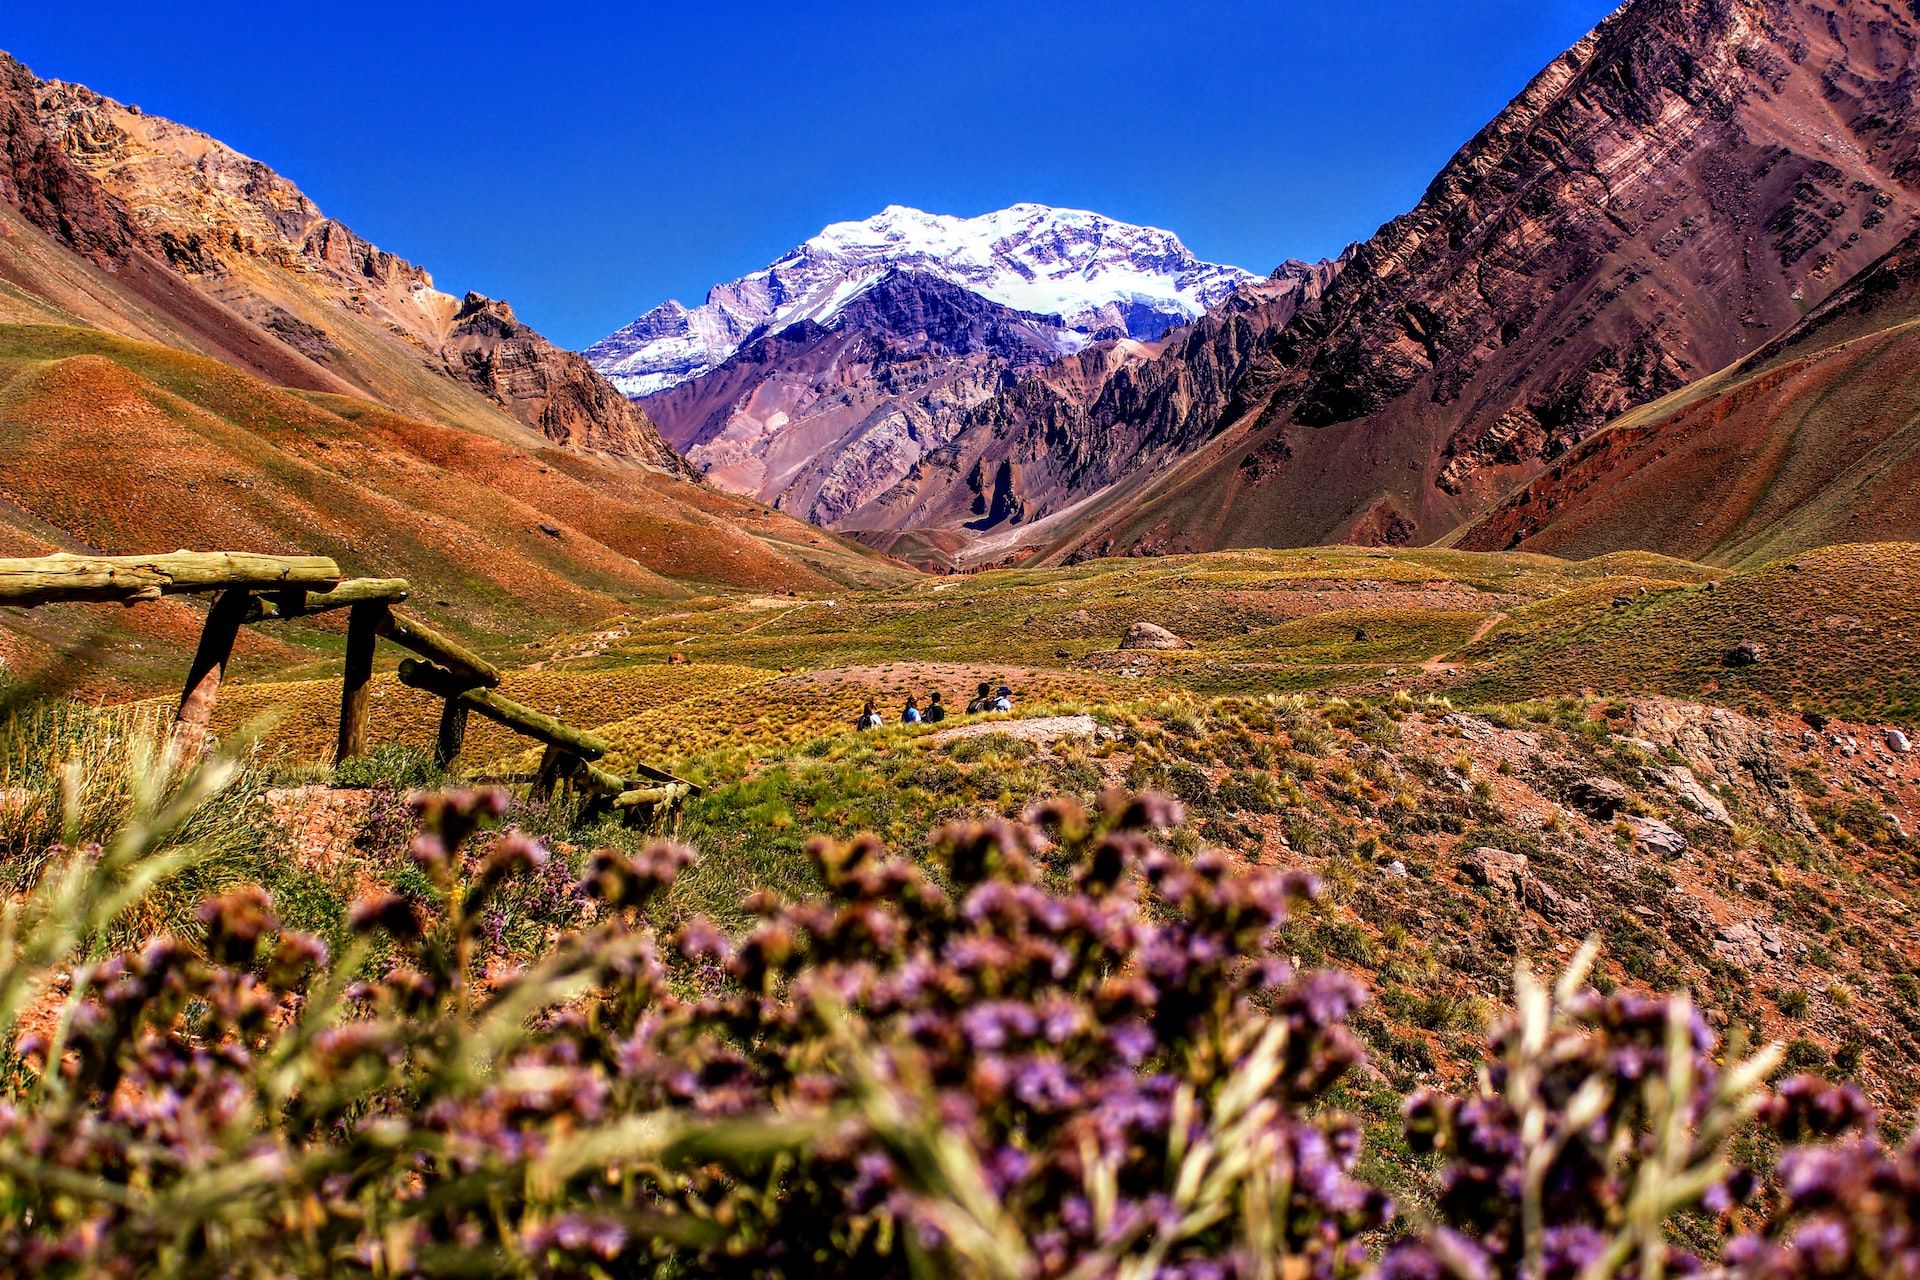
(72, 776)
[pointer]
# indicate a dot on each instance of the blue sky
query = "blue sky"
(588, 161)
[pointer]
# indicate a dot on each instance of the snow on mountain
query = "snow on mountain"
(1101, 278)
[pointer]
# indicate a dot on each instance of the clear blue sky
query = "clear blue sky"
(587, 161)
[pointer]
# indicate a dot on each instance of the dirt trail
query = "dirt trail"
(1438, 664)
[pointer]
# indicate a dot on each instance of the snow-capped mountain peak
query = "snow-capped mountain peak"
(1099, 277)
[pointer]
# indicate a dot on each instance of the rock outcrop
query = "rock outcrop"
(1729, 749)
(1152, 636)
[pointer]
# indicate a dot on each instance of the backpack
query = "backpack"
(936, 713)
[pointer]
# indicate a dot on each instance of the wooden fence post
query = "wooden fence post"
(548, 776)
(453, 732)
(362, 623)
(224, 619)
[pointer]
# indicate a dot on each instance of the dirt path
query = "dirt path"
(1438, 664)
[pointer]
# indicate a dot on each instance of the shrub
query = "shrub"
(1071, 1053)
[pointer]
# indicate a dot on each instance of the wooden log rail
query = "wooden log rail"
(250, 588)
(131, 579)
(517, 716)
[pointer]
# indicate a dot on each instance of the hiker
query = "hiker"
(982, 700)
(911, 715)
(936, 709)
(1003, 699)
(869, 717)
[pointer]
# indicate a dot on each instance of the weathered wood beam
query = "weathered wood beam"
(409, 632)
(652, 774)
(452, 737)
(210, 657)
(66, 577)
(554, 763)
(672, 793)
(605, 781)
(356, 681)
(298, 602)
(517, 716)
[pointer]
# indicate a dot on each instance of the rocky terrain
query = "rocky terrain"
(1114, 412)
(1668, 195)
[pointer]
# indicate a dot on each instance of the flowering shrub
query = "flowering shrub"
(1057, 1050)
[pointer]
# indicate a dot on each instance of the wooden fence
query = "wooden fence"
(248, 589)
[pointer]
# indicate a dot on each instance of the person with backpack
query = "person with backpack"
(936, 709)
(1002, 699)
(911, 715)
(869, 717)
(982, 700)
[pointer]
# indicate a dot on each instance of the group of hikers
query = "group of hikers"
(987, 699)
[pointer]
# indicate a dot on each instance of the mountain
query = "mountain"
(1098, 277)
(1021, 461)
(823, 416)
(1665, 197)
(1811, 440)
(280, 288)
(820, 383)
(190, 355)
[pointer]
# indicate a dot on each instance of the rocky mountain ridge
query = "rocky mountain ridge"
(266, 280)
(1661, 200)
(1812, 439)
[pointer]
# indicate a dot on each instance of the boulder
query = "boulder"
(1898, 742)
(1496, 869)
(1596, 797)
(1748, 942)
(1148, 635)
(1651, 833)
(1744, 654)
(1680, 780)
(1569, 913)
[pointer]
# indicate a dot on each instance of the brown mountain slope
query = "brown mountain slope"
(1813, 439)
(1658, 202)
(191, 356)
(119, 446)
(216, 253)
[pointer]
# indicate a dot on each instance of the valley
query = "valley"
(1458, 809)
